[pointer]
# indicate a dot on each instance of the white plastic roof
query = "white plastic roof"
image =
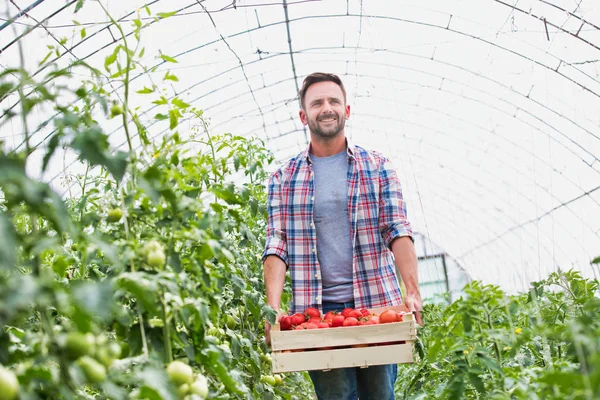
(489, 109)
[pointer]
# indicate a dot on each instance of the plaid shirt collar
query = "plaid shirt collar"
(350, 149)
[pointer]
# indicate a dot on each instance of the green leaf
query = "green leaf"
(52, 146)
(179, 103)
(109, 60)
(456, 387)
(60, 266)
(227, 194)
(142, 52)
(94, 298)
(8, 244)
(161, 117)
(83, 33)
(142, 133)
(163, 14)
(78, 5)
(145, 90)
(141, 286)
(229, 378)
(117, 164)
(156, 378)
(161, 101)
(477, 382)
(169, 77)
(168, 58)
(594, 261)
(489, 362)
(5, 89)
(147, 9)
(92, 145)
(173, 119)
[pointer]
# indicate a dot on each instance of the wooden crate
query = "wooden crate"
(356, 346)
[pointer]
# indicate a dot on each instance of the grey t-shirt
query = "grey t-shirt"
(334, 246)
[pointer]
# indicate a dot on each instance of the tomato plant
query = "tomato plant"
(151, 259)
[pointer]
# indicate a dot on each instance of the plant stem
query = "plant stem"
(166, 331)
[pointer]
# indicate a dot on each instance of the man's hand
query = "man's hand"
(415, 305)
(268, 328)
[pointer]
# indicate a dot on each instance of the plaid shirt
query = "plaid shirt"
(377, 214)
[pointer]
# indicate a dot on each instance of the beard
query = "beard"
(329, 130)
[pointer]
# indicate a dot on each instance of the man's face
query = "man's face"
(325, 111)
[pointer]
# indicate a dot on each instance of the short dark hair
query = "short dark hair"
(316, 77)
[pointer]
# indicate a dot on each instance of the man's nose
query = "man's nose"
(327, 107)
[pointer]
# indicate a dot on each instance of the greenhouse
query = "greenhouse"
(157, 223)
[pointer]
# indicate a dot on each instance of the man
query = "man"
(336, 216)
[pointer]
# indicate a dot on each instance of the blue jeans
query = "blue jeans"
(372, 383)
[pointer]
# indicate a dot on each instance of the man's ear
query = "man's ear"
(348, 111)
(303, 117)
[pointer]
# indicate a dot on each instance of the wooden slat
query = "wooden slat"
(342, 336)
(342, 358)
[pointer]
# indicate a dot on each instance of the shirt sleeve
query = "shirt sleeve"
(276, 243)
(392, 208)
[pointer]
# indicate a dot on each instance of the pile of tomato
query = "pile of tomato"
(312, 319)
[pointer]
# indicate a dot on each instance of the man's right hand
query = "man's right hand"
(268, 328)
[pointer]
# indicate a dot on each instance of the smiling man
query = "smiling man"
(337, 221)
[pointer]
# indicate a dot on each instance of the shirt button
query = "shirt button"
(314, 250)
(312, 198)
(312, 225)
(318, 299)
(317, 275)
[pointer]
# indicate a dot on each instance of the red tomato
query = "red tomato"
(285, 323)
(311, 325)
(399, 317)
(329, 315)
(387, 316)
(338, 320)
(312, 312)
(323, 325)
(300, 328)
(297, 319)
(364, 312)
(374, 318)
(350, 321)
(314, 320)
(355, 313)
(347, 311)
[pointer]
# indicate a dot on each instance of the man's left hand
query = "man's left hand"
(415, 305)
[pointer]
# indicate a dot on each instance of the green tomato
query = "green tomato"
(93, 370)
(193, 397)
(213, 331)
(231, 322)
(265, 358)
(153, 245)
(78, 344)
(268, 379)
(114, 215)
(156, 259)
(114, 350)
(200, 386)
(278, 379)
(180, 373)
(183, 390)
(107, 354)
(9, 384)
(115, 110)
